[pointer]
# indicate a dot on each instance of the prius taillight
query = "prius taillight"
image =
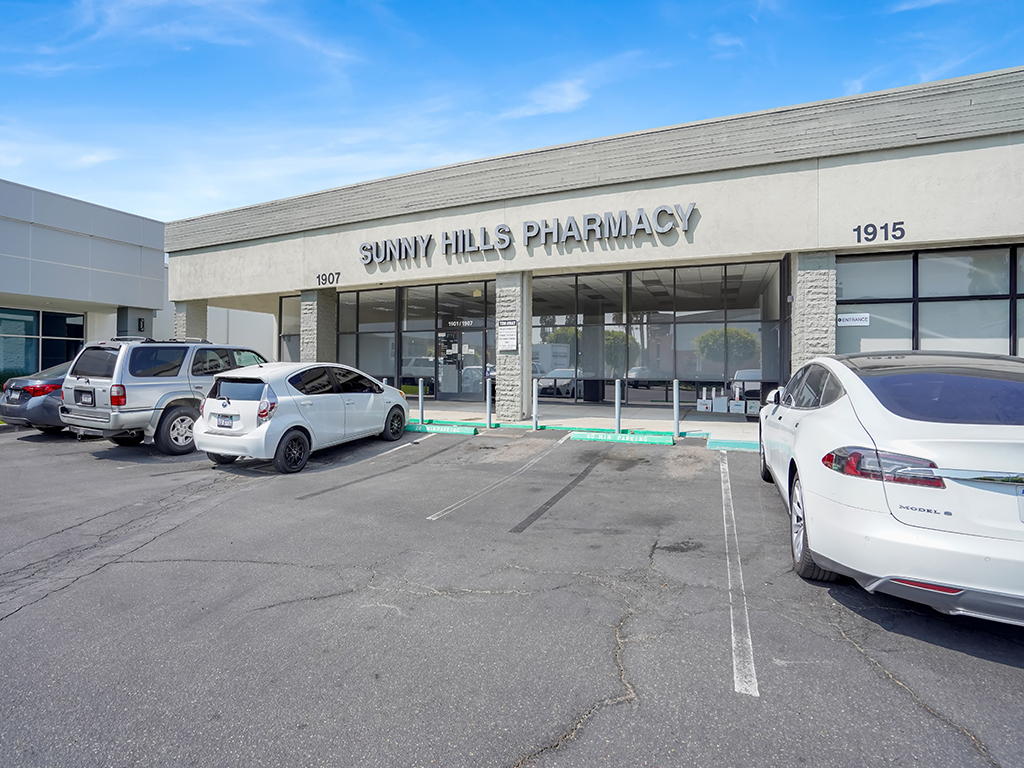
(267, 406)
(882, 465)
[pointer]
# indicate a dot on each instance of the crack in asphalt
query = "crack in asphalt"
(976, 743)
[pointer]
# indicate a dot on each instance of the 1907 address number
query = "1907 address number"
(868, 233)
(328, 278)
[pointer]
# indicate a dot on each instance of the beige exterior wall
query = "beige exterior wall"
(963, 193)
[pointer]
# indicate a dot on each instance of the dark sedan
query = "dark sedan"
(34, 400)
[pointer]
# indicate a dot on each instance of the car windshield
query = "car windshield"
(948, 397)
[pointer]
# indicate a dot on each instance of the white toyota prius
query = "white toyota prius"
(284, 411)
(905, 472)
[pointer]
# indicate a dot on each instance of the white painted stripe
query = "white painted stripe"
(743, 674)
(496, 483)
(406, 445)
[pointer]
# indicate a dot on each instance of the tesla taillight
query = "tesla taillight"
(117, 395)
(930, 587)
(39, 391)
(882, 465)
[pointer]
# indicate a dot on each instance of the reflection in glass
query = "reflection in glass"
(461, 305)
(875, 277)
(419, 308)
(700, 351)
(291, 315)
(890, 327)
(699, 290)
(63, 326)
(377, 354)
(602, 298)
(969, 326)
(18, 356)
(972, 273)
(377, 312)
(554, 301)
(347, 312)
(19, 322)
(347, 349)
(650, 296)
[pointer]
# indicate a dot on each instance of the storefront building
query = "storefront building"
(710, 252)
(71, 271)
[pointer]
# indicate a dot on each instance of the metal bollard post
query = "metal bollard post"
(421, 401)
(618, 406)
(535, 391)
(487, 383)
(675, 407)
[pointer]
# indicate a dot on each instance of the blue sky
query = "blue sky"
(176, 108)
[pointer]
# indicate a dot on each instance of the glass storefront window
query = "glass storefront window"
(889, 327)
(18, 355)
(651, 297)
(419, 309)
(601, 298)
(377, 355)
(347, 349)
(462, 305)
(700, 351)
(969, 326)
(347, 312)
(875, 277)
(377, 312)
(699, 291)
(554, 302)
(63, 326)
(57, 351)
(19, 322)
(743, 348)
(982, 272)
(291, 320)
(418, 361)
(752, 291)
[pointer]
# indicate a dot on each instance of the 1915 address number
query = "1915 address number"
(868, 233)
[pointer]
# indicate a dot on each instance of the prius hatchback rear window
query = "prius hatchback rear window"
(238, 389)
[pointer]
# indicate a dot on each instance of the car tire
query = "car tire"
(394, 425)
(220, 458)
(174, 433)
(803, 558)
(766, 473)
(292, 452)
(127, 440)
(50, 430)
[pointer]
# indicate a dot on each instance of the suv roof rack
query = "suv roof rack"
(186, 340)
(130, 338)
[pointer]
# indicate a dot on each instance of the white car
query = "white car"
(284, 411)
(560, 382)
(905, 471)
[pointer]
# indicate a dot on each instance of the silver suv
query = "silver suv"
(130, 389)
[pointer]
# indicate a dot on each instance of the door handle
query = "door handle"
(306, 403)
(350, 402)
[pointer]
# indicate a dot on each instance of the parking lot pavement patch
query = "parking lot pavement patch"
(624, 438)
(732, 445)
(447, 429)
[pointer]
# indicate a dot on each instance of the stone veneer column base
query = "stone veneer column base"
(318, 326)
(513, 370)
(190, 319)
(814, 307)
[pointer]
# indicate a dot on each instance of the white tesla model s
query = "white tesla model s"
(283, 411)
(905, 472)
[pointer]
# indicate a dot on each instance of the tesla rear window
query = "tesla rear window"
(950, 398)
(238, 389)
(96, 361)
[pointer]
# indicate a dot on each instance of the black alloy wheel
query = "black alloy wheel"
(292, 452)
(394, 426)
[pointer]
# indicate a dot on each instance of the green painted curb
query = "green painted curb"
(447, 429)
(623, 438)
(733, 445)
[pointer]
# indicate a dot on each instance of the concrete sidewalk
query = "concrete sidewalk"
(722, 430)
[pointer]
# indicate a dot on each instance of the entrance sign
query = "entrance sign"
(508, 335)
(861, 318)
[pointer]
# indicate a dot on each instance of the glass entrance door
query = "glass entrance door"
(460, 365)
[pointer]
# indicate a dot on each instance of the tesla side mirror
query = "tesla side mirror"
(774, 397)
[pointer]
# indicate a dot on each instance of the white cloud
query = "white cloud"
(563, 96)
(722, 40)
(915, 5)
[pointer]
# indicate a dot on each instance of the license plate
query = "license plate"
(13, 396)
(86, 398)
(224, 422)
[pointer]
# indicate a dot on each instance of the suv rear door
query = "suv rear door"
(87, 385)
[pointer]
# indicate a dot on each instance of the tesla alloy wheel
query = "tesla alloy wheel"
(803, 559)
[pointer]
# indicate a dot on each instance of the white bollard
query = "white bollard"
(487, 384)
(421, 401)
(675, 406)
(535, 392)
(618, 406)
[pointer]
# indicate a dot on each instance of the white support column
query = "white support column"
(190, 319)
(318, 326)
(514, 370)
(814, 307)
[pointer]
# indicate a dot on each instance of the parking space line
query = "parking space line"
(743, 673)
(496, 483)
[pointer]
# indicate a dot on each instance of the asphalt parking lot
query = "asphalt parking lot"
(513, 598)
